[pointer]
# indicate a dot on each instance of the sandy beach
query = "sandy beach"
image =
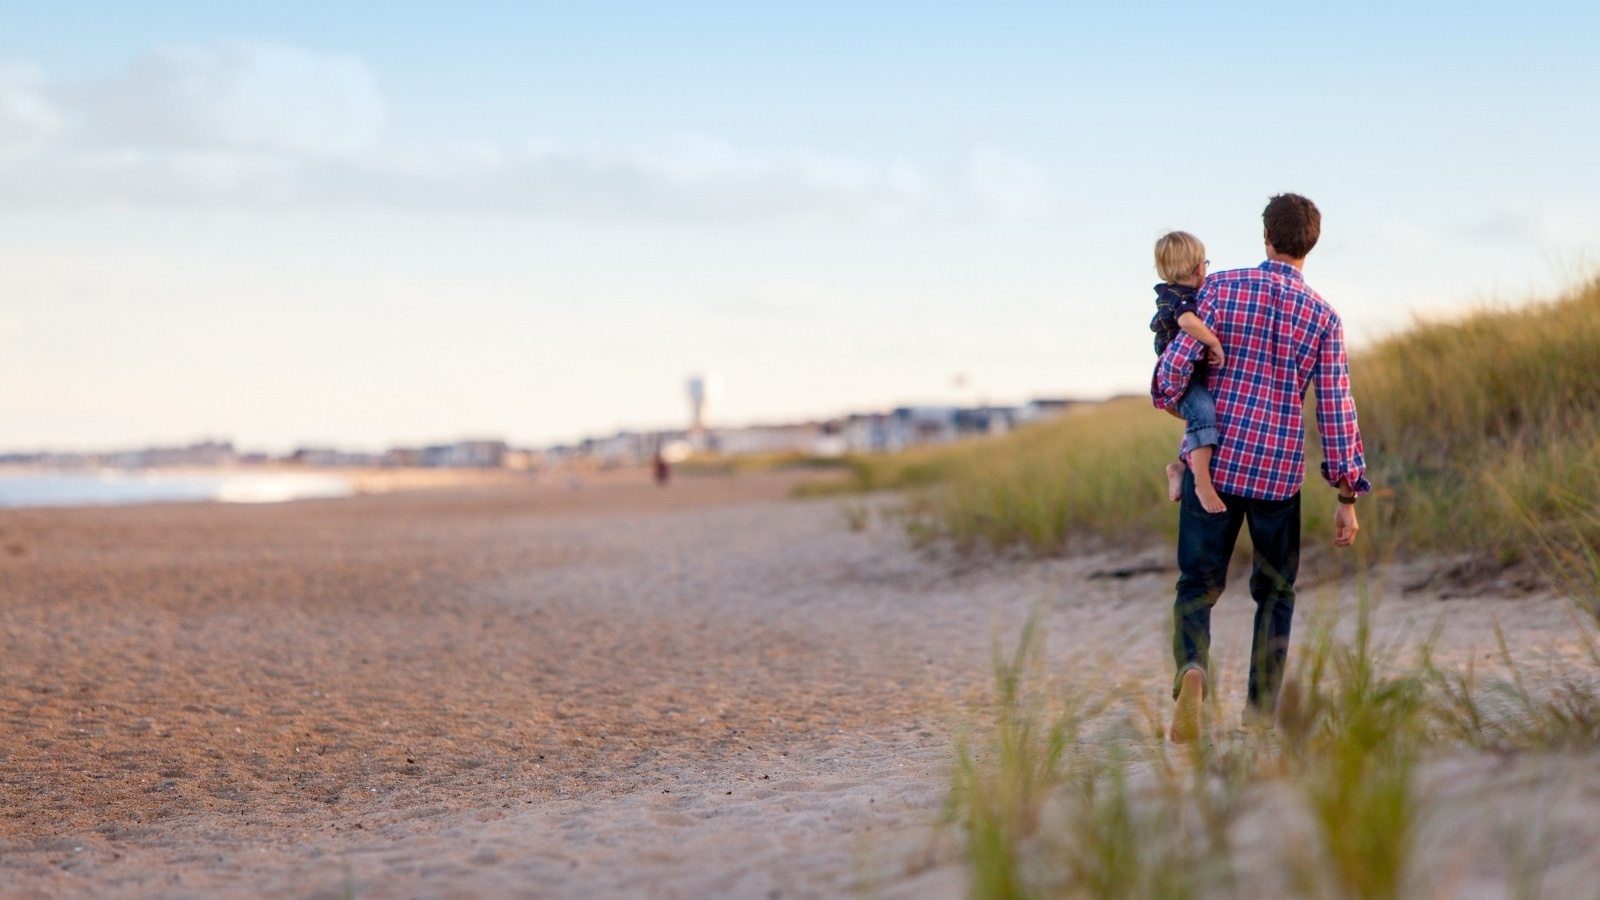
(531, 689)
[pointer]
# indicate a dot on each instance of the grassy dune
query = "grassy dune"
(1483, 436)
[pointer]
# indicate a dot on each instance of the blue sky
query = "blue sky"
(363, 224)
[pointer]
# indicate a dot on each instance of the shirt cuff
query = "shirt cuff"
(1347, 473)
(1160, 397)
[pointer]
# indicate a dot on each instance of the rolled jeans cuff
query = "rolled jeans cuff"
(1204, 436)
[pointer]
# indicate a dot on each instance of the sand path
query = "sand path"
(527, 690)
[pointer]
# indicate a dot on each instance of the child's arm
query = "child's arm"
(1197, 329)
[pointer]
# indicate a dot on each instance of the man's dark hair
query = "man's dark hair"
(1293, 225)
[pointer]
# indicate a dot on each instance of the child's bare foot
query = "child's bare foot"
(1204, 490)
(1207, 495)
(1174, 481)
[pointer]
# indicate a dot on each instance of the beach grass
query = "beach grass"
(1475, 430)
(1330, 803)
(1355, 730)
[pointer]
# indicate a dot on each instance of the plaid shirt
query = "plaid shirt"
(1280, 337)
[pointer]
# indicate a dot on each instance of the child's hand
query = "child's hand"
(1215, 356)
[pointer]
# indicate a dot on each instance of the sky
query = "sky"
(373, 224)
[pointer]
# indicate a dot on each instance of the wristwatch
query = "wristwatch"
(1348, 501)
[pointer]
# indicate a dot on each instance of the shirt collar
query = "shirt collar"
(1282, 268)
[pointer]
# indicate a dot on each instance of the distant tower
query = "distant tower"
(702, 390)
(697, 406)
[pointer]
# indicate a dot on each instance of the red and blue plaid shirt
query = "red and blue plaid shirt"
(1279, 337)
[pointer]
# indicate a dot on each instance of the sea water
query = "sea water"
(105, 487)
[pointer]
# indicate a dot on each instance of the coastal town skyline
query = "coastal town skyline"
(879, 430)
(309, 225)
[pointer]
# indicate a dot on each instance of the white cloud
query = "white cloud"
(27, 117)
(253, 126)
(237, 97)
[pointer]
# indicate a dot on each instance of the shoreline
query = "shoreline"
(274, 483)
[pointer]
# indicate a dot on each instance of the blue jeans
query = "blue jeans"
(1205, 546)
(1200, 411)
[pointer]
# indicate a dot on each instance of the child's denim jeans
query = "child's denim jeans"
(1200, 411)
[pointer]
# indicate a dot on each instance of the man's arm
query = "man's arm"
(1173, 371)
(1343, 457)
(1176, 365)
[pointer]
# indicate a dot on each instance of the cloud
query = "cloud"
(264, 126)
(239, 97)
(27, 117)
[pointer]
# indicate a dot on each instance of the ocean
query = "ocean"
(110, 487)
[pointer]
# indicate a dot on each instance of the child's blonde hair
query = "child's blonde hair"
(1178, 254)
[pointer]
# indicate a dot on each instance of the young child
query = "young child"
(1181, 262)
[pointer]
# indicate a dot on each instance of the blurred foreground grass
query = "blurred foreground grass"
(1483, 436)
(1348, 796)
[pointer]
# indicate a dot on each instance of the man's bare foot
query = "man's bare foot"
(1174, 481)
(1207, 495)
(1186, 713)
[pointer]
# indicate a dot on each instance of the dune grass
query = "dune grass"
(1354, 731)
(1051, 807)
(1475, 429)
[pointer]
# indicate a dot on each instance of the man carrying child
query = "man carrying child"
(1280, 338)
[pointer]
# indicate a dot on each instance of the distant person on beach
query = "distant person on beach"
(1281, 338)
(663, 469)
(1181, 262)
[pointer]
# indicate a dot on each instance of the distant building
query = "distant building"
(1044, 408)
(986, 420)
(205, 453)
(625, 448)
(478, 454)
(403, 457)
(330, 457)
(809, 438)
(923, 425)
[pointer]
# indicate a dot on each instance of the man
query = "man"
(1280, 337)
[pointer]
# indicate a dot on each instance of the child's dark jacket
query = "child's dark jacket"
(1172, 301)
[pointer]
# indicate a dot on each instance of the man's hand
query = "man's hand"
(1214, 355)
(1345, 525)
